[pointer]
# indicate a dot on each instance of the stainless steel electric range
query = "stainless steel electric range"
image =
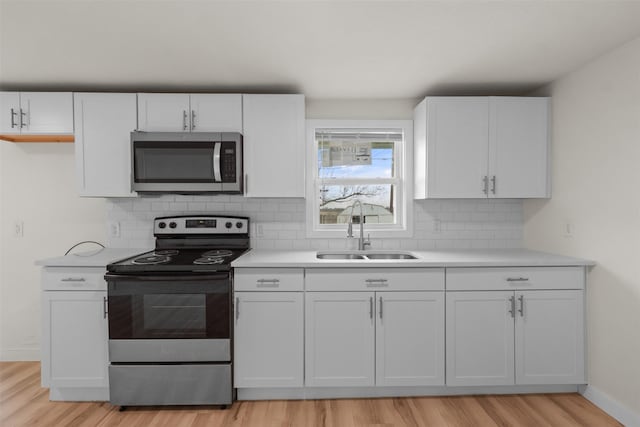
(170, 314)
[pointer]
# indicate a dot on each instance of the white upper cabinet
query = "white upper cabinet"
(36, 112)
(216, 113)
(181, 112)
(274, 146)
(104, 122)
(519, 149)
(163, 112)
(479, 147)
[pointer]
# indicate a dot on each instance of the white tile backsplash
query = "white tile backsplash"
(464, 224)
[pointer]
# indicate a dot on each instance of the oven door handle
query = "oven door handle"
(160, 278)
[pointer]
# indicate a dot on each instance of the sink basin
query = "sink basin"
(390, 256)
(328, 255)
(364, 256)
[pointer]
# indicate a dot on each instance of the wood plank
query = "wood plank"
(37, 138)
(23, 402)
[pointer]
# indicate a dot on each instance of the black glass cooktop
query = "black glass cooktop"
(177, 260)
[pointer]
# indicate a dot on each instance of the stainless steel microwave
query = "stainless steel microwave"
(186, 162)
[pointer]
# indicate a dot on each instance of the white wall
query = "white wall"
(596, 189)
(37, 187)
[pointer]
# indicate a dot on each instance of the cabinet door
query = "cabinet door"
(550, 337)
(104, 122)
(163, 112)
(47, 112)
(74, 348)
(479, 331)
(339, 339)
(268, 339)
(519, 147)
(10, 112)
(274, 145)
(457, 146)
(216, 113)
(409, 338)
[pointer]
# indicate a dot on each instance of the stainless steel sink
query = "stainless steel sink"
(391, 256)
(331, 255)
(364, 256)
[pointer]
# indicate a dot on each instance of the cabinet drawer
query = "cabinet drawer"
(73, 278)
(268, 279)
(380, 279)
(514, 278)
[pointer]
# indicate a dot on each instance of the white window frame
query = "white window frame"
(404, 182)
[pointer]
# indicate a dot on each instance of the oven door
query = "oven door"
(169, 318)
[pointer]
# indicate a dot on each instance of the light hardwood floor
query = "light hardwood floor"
(24, 403)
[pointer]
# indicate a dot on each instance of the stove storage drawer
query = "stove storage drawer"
(73, 279)
(268, 279)
(176, 384)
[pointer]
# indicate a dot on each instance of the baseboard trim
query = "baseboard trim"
(20, 355)
(373, 392)
(611, 406)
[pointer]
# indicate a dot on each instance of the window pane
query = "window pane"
(378, 203)
(356, 156)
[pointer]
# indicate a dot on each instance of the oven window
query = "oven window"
(143, 311)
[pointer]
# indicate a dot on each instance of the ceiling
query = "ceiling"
(324, 49)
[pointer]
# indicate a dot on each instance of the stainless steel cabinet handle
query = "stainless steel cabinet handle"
(485, 184)
(104, 308)
(73, 279)
(521, 310)
(13, 120)
(517, 279)
(265, 283)
(512, 312)
(22, 121)
(246, 183)
(376, 282)
(193, 119)
(370, 307)
(493, 184)
(237, 308)
(184, 120)
(380, 308)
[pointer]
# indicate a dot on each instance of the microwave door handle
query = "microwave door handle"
(216, 162)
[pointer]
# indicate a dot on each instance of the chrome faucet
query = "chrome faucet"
(362, 243)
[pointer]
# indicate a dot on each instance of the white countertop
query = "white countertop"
(95, 258)
(435, 258)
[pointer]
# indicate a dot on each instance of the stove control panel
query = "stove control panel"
(204, 224)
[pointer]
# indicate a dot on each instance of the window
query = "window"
(361, 161)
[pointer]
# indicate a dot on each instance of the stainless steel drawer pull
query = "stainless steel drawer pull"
(517, 279)
(485, 184)
(521, 310)
(493, 184)
(380, 308)
(237, 308)
(193, 119)
(268, 283)
(22, 121)
(377, 282)
(74, 279)
(104, 308)
(370, 307)
(512, 300)
(184, 120)
(13, 120)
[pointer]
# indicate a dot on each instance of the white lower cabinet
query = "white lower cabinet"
(268, 327)
(409, 338)
(268, 339)
(533, 334)
(390, 337)
(74, 339)
(339, 339)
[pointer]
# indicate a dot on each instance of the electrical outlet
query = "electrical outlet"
(114, 229)
(568, 229)
(18, 228)
(259, 230)
(437, 226)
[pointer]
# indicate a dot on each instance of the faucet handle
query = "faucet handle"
(367, 243)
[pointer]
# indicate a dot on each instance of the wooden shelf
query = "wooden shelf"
(37, 138)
